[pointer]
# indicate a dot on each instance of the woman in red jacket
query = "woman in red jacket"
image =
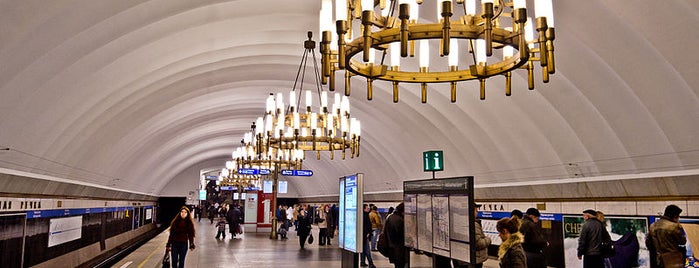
(181, 232)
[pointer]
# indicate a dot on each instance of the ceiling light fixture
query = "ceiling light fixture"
(499, 25)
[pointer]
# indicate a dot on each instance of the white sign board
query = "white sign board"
(149, 213)
(63, 230)
(267, 187)
(283, 187)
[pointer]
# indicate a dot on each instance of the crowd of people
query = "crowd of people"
(523, 241)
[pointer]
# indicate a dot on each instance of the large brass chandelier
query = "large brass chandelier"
(288, 130)
(392, 27)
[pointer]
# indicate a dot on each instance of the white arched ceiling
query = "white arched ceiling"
(137, 94)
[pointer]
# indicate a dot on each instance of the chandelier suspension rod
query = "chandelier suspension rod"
(315, 70)
(302, 64)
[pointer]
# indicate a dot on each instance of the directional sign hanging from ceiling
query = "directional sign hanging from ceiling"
(295, 172)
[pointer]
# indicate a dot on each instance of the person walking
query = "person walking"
(221, 227)
(510, 253)
(305, 217)
(210, 213)
(482, 243)
(366, 234)
(534, 241)
(396, 237)
(234, 217)
(376, 226)
(590, 241)
(181, 232)
(666, 239)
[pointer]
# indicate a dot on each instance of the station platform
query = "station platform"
(255, 250)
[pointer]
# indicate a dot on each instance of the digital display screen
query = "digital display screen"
(350, 218)
(341, 220)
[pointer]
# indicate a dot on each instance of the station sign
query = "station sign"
(253, 171)
(297, 172)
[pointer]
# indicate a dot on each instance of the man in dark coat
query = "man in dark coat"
(590, 240)
(234, 217)
(534, 241)
(396, 237)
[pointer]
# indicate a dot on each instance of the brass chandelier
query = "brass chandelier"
(289, 129)
(500, 25)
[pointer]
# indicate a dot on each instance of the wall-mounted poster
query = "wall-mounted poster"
(490, 231)
(628, 236)
(460, 227)
(440, 225)
(410, 220)
(424, 222)
(62, 230)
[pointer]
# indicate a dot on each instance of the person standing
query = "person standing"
(510, 253)
(366, 231)
(181, 232)
(289, 217)
(590, 241)
(482, 243)
(534, 241)
(198, 212)
(517, 213)
(396, 237)
(322, 219)
(376, 226)
(666, 239)
(330, 220)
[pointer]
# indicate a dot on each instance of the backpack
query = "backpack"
(382, 245)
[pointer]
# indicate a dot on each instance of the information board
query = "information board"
(351, 214)
(439, 217)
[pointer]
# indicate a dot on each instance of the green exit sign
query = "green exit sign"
(433, 160)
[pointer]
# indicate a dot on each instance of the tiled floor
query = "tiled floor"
(254, 250)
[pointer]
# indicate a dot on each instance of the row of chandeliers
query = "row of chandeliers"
(281, 138)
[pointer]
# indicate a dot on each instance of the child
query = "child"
(221, 224)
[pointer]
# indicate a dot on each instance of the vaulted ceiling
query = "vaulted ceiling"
(129, 94)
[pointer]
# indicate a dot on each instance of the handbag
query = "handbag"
(166, 260)
(606, 247)
(310, 239)
(673, 259)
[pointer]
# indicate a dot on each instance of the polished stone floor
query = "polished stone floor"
(254, 250)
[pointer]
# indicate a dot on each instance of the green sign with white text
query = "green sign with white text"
(433, 160)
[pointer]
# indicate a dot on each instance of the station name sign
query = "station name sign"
(253, 171)
(297, 172)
